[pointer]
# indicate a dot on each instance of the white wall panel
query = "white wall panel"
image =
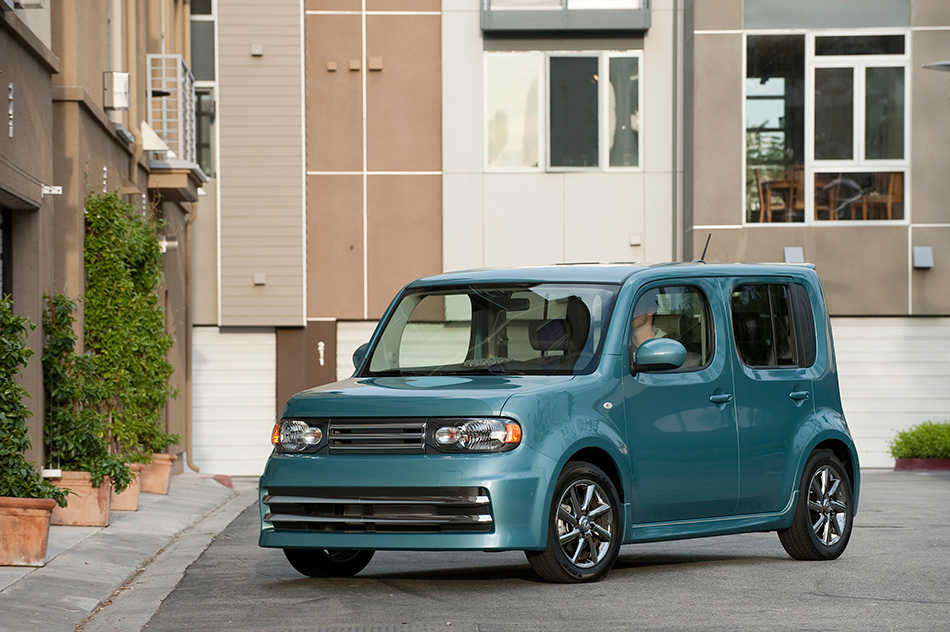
(349, 336)
(894, 373)
(234, 382)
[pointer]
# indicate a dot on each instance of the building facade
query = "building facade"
(359, 144)
(98, 100)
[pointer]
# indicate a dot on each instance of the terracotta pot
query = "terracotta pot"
(128, 500)
(158, 474)
(922, 464)
(86, 506)
(24, 525)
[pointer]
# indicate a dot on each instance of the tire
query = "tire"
(328, 563)
(824, 511)
(585, 527)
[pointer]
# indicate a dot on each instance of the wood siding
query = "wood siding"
(894, 373)
(262, 217)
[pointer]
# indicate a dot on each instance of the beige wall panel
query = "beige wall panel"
(334, 99)
(463, 221)
(404, 234)
(524, 219)
(403, 5)
(718, 15)
(930, 13)
(334, 5)
(930, 129)
(863, 269)
(335, 246)
(931, 288)
(404, 99)
(262, 206)
(718, 130)
(203, 235)
(462, 93)
(601, 211)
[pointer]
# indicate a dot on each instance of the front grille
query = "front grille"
(377, 436)
(379, 510)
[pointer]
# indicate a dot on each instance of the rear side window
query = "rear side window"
(774, 325)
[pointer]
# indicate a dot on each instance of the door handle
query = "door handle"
(721, 399)
(798, 395)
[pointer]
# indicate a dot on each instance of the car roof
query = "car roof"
(616, 273)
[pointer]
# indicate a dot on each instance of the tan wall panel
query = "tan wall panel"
(930, 13)
(335, 246)
(863, 269)
(404, 99)
(306, 357)
(405, 234)
(717, 130)
(931, 288)
(262, 206)
(721, 14)
(930, 130)
(334, 5)
(334, 99)
(403, 5)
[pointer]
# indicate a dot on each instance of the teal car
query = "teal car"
(567, 410)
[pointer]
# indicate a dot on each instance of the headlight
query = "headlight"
(294, 435)
(477, 435)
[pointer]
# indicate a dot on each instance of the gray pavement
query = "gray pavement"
(86, 566)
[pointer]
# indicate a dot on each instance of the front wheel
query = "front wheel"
(328, 563)
(585, 527)
(824, 511)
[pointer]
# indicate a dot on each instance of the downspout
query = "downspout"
(188, 430)
(132, 61)
(675, 134)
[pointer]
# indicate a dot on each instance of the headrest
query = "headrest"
(548, 335)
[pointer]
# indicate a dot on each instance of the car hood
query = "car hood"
(423, 396)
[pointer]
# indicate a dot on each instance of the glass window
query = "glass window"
(860, 45)
(202, 50)
(574, 124)
(859, 195)
(680, 313)
(584, 122)
(539, 330)
(762, 324)
(624, 110)
(513, 110)
(834, 113)
(884, 113)
(804, 318)
(204, 126)
(775, 128)
(201, 7)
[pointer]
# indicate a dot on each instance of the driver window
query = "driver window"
(678, 312)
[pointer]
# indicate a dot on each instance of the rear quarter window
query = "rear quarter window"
(773, 325)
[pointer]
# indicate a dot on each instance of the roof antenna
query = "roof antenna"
(705, 248)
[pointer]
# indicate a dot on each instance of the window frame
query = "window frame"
(544, 102)
(859, 64)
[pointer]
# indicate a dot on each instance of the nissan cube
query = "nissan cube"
(565, 411)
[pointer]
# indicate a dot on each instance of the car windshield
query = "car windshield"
(537, 329)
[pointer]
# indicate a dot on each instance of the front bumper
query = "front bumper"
(406, 502)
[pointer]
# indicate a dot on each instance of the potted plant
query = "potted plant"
(124, 329)
(923, 447)
(26, 500)
(76, 432)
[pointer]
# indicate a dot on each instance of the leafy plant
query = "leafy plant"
(928, 440)
(77, 436)
(18, 477)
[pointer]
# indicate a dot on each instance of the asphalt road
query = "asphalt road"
(895, 575)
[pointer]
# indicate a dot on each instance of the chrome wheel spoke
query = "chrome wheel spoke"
(569, 536)
(594, 555)
(603, 533)
(834, 488)
(599, 511)
(814, 506)
(577, 552)
(588, 496)
(839, 506)
(566, 516)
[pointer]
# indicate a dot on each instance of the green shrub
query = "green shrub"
(77, 433)
(124, 325)
(18, 477)
(928, 440)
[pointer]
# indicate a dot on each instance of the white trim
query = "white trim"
(217, 161)
(930, 28)
(719, 32)
(719, 227)
(303, 159)
(363, 74)
(313, 12)
(374, 173)
(930, 225)
(321, 319)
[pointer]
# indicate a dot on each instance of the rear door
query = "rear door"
(774, 330)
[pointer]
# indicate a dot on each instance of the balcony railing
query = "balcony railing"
(565, 15)
(171, 104)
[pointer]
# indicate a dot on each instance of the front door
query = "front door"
(681, 424)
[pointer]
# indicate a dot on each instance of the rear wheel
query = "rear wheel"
(328, 563)
(585, 527)
(824, 511)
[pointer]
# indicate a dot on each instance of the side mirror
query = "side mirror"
(360, 354)
(658, 354)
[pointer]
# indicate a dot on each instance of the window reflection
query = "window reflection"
(513, 110)
(859, 196)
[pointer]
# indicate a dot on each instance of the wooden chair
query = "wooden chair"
(889, 192)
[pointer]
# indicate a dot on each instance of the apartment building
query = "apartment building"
(98, 99)
(358, 144)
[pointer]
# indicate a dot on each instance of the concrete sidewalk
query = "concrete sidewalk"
(86, 566)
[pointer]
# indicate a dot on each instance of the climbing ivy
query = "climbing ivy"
(18, 477)
(77, 433)
(124, 326)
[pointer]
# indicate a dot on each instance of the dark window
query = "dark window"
(202, 50)
(804, 319)
(763, 325)
(201, 7)
(574, 121)
(204, 126)
(680, 313)
(860, 45)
